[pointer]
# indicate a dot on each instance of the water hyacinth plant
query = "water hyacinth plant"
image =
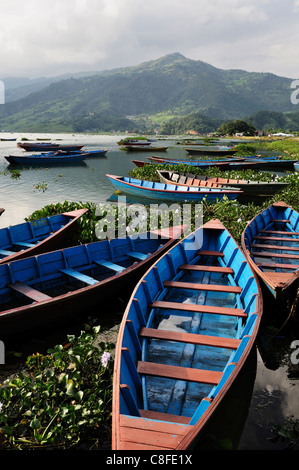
(62, 399)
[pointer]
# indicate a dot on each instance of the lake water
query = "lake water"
(275, 388)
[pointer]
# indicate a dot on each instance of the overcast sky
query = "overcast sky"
(48, 38)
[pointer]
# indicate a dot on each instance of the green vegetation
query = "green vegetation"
(139, 97)
(62, 399)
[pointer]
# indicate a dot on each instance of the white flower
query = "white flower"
(239, 220)
(1, 406)
(105, 359)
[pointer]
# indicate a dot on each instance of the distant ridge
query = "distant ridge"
(151, 92)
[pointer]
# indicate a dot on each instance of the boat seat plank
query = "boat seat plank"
(284, 221)
(7, 252)
(210, 253)
(210, 269)
(276, 247)
(24, 244)
(278, 265)
(158, 415)
(107, 264)
(137, 255)
(179, 373)
(196, 339)
(266, 254)
(278, 232)
(80, 276)
(205, 287)
(277, 239)
(28, 291)
(199, 308)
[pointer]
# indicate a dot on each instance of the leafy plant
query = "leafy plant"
(62, 399)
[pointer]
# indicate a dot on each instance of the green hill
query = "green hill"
(131, 97)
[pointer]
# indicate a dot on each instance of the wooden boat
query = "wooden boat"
(270, 242)
(164, 192)
(37, 236)
(296, 166)
(228, 164)
(42, 147)
(136, 142)
(185, 335)
(215, 150)
(46, 159)
(253, 188)
(53, 287)
(143, 148)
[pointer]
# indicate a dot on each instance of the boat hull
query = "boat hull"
(50, 288)
(270, 242)
(188, 329)
(37, 236)
(171, 193)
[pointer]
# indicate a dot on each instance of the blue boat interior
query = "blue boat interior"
(19, 237)
(186, 329)
(272, 240)
(167, 187)
(59, 272)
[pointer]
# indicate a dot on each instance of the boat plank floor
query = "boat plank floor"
(207, 287)
(141, 433)
(179, 373)
(211, 269)
(276, 247)
(199, 308)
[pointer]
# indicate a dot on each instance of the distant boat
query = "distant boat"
(296, 166)
(135, 142)
(144, 148)
(7, 140)
(229, 164)
(252, 188)
(211, 150)
(270, 242)
(164, 192)
(46, 159)
(37, 236)
(53, 287)
(37, 147)
(186, 334)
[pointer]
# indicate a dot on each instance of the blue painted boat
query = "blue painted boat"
(37, 236)
(47, 146)
(228, 164)
(46, 159)
(169, 192)
(53, 287)
(270, 242)
(296, 166)
(188, 329)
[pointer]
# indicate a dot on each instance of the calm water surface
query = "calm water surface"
(274, 398)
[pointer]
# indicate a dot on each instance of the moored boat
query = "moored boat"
(42, 146)
(215, 150)
(46, 159)
(37, 236)
(296, 166)
(270, 242)
(165, 192)
(253, 188)
(143, 148)
(188, 329)
(53, 287)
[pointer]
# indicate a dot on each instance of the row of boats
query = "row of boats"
(51, 153)
(189, 325)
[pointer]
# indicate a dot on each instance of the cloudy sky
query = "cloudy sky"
(48, 38)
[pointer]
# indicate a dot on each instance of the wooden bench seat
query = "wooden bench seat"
(278, 265)
(179, 373)
(209, 269)
(277, 239)
(158, 415)
(210, 253)
(216, 341)
(278, 232)
(112, 266)
(276, 247)
(199, 308)
(137, 255)
(79, 276)
(266, 254)
(204, 287)
(28, 291)
(24, 244)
